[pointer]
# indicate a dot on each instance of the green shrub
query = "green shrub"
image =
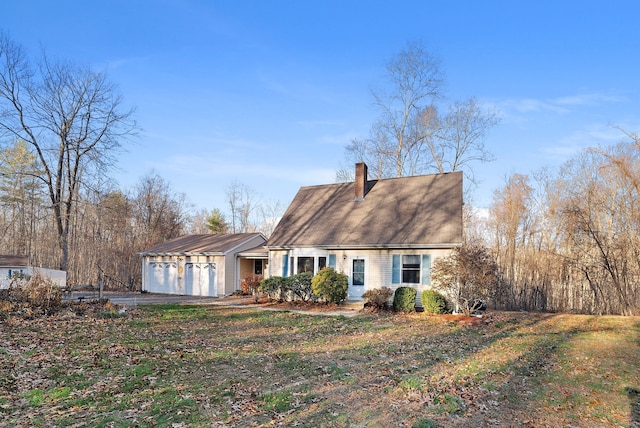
(433, 302)
(404, 299)
(378, 297)
(299, 287)
(330, 286)
(296, 287)
(274, 287)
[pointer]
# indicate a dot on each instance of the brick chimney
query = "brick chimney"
(361, 181)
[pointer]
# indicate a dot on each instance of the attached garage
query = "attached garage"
(198, 265)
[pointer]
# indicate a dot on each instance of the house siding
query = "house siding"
(58, 277)
(378, 268)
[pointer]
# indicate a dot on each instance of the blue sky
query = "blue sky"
(269, 93)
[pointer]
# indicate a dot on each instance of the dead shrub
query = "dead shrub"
(377, 298)
(31, 295)
(250, 284)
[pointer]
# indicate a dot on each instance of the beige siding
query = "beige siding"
(378, 263)
(275, 263)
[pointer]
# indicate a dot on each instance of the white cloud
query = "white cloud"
(516, 110)
(591, 136)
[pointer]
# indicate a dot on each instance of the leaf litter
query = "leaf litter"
(219, 366)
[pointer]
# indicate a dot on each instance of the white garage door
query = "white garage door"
(163, 278)
(200, 279)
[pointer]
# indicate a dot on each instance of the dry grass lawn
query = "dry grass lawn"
(181, 366)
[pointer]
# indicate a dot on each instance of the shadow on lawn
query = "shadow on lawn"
(389, 370)
(634, 403)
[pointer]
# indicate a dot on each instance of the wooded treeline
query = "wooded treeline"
(62, 129)
(569, 240)
(107, 228)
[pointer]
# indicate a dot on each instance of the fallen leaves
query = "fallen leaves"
(185, 366)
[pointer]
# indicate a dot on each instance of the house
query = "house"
(11, 265)
(381, 233)
(203, 265)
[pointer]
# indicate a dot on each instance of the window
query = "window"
(411, 269)
(305, 264)
(358, 272)
(322, 263)
(258, 267)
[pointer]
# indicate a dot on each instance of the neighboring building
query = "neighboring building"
(11, 265)
(381, 233)
(203, 265)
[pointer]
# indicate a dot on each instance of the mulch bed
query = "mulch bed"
(313, 307)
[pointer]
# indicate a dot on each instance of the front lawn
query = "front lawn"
(182, 366)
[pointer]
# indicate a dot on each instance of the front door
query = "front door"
(357, 278)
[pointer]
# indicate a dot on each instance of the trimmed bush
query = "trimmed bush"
(378, 297)
(404, 299)
(296, 287)
(433, 302)
(330, 286)
(274, 287)
(299, 287)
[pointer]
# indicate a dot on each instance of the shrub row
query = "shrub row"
(328, 286)
(404, 300)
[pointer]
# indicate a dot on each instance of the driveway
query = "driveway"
(134, 299)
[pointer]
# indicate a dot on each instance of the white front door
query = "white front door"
(357, 277)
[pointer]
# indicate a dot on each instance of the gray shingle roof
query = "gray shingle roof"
(200, 244)
(418, 211)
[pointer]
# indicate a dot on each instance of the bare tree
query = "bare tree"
(71, 117)
(414, 83)
(459, 141)
(411, 136)
(19, 197)
(570, 241)
(242, 205)
(270, 214)
(159, 213)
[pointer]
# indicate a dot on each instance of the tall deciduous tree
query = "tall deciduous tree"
(19, 196)
(411, 135)
(71, 117)
(242, 204)
(158, 211)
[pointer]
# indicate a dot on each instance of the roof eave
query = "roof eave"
(183, 253)
(366, 246)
